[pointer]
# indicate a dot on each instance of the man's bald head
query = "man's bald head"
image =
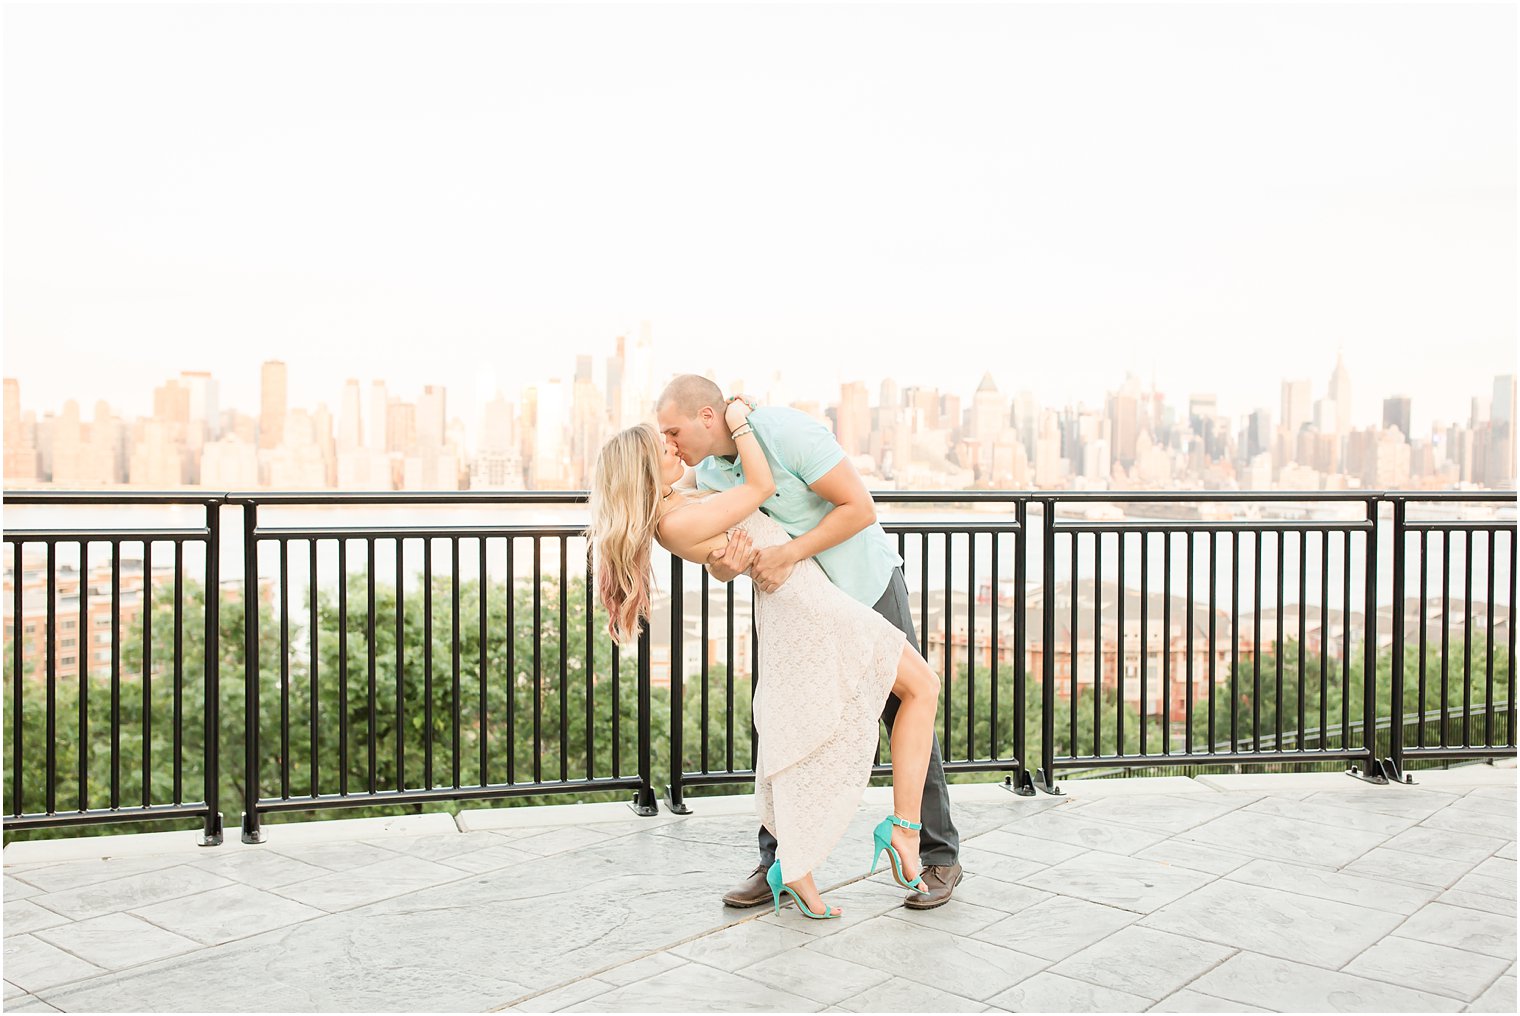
(690, 412)
(688, 393)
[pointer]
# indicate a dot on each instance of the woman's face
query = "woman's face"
(671, 466)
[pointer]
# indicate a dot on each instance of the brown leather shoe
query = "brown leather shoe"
(940, 881)
(752, 892)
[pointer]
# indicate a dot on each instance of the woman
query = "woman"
(828, 662)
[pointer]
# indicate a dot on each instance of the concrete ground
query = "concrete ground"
(1235, 893)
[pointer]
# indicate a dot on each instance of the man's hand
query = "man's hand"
(733, 559)
(773, 566)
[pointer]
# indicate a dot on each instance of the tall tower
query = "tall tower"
(350, 422)
(638, 379)
(615, 385)
(1501, 472)
(379, 403)
(1296, 407)
(1340, 391)
(21, 459)
(272, 404)
(1396, 413)
(203, 402)
(431, 416)
(854, 418)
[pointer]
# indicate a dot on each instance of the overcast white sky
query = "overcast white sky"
(1218, 194)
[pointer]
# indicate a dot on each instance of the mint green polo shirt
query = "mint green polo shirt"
(800, 450)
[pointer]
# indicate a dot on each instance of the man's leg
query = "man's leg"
(767, 847)
(939, 843)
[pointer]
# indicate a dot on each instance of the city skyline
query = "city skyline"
(834, 192)
(1375, 404)
(472, 389)
(545, 434)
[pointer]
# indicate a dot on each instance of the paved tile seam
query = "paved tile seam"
(203, 950)
(621, 963)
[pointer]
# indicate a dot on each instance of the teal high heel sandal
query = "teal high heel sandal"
(883, 838)
(773, 879)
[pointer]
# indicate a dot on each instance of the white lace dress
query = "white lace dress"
(827, 664)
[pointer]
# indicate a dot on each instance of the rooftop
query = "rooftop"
(1219, 893)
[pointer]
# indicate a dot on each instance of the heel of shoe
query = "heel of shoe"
(773, 879)
(881, 838)
(884, 842)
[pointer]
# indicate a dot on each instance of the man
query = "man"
(822, 502)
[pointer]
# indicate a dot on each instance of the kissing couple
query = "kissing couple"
(770, 493)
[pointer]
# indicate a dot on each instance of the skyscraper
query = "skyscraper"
(638, 379)
(1259, 436)
(1340, 391)
(21, 459)
(205, 415)
(431, 417)
(1296, 408)
(272, 404)
(1396, 413)
(1124, 411)
(549, 465)
(615, 385)
(854, 429)
(350, 423)
(1501, 471)
(379, 405)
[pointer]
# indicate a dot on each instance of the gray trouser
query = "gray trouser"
(939, 843)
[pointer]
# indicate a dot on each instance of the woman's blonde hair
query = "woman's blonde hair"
(625, 504)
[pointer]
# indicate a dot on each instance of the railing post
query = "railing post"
(211, 685)
(1047, 773)
(1020, 782)
(251, 831)
(677, 687)
(1394, 764)
(1374, 769)
(644, 802)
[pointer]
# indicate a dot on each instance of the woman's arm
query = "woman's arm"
(696, 531)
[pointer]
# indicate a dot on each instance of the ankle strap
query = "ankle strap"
(904, 823)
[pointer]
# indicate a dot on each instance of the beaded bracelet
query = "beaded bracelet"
(743, 430)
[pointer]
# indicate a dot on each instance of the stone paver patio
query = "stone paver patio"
(1235, 893)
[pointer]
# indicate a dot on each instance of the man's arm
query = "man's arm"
(853, 511)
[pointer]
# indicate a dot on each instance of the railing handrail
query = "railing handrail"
(43, 495)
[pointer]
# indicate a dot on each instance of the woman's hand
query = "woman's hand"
(737, 411)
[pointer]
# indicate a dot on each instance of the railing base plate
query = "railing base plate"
(1374, 773)
(212, 838)
(673, 802)
(251, 833)
(1019, 783)
(1395, 775)
(644, 804)
(1043, 781)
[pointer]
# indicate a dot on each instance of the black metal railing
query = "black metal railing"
(468, 661)
(41, 727)
(1498, 727)
(1342, 556)
(480, 669)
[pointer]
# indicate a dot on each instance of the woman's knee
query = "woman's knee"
(915, 678)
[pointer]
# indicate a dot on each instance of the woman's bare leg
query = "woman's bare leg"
(917, 690)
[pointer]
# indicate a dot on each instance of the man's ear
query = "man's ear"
(706, 415)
